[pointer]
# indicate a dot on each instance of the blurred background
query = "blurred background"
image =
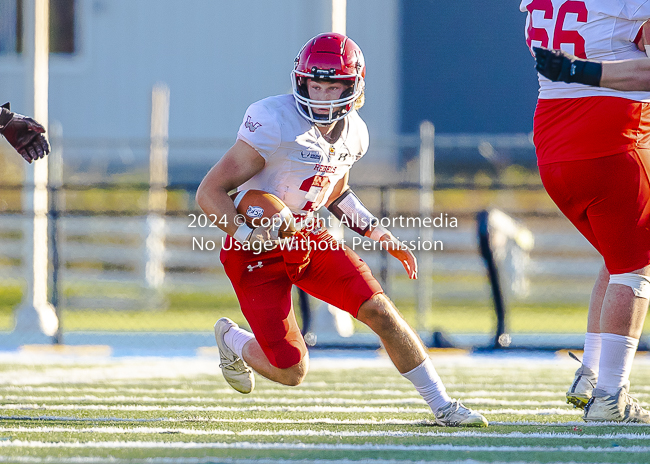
(146, 95)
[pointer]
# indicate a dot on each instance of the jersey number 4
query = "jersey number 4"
(560, 35)
(315, 186)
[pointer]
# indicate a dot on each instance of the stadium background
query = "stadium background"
(426, 60)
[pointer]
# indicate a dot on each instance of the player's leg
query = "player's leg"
(620, 218)
(275, 349)
(339, 277)
(409, 355)
(586, 376)
(291, 376)
(560, 187)
(621, 323)
(402, 344)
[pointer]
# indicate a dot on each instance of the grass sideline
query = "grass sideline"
(67, 409)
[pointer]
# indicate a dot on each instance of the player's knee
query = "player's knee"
(378, 313)
(640, 284)
(294, 375)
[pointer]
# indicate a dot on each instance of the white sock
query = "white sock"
(428, 384)
(236, 338)
(616, 356)
(591, 356)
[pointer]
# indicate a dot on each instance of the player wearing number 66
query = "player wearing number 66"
(593, 151)
(300, 148)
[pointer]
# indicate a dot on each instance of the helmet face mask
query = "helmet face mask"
(328, 57)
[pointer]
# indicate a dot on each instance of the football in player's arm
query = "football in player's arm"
(24, 134)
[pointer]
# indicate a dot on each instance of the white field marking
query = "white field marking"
(319, 409)
(318, 447)
(325, 433)
(409, 391)
(217, 386)
(93, 369)
(212, 460)
(228, 400)
(451, 362)
(81, 419)
(393, 382)
(288, 392)
(322, 420)
(578, 424)
(532, 412)
(136, 407)
(291, 401)
(560, 387)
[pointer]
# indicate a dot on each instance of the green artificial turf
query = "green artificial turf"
(152, 409)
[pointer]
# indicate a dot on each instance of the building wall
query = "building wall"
(217, 57)
(465, 66)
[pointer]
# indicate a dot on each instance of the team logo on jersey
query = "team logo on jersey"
(254, 212)
(309, 154)
(343, 156)
(332, 153)
(250, 125)
(325, 168)
(250, 267)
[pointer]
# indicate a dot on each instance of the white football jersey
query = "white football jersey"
(595, 29)
(301, 168)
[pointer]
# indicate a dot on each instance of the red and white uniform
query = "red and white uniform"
(301, 167)
(578, 128)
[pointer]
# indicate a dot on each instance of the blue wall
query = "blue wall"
(465, 66)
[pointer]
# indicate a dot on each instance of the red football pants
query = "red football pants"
(608, 200)
(332, 273)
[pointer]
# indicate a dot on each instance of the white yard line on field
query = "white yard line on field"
(221, 460)
(406, 391)
(317, 409)
(327, 433)
(290, 401)
(318, 447)
(227, 400)
(136, 407)
(322, 420)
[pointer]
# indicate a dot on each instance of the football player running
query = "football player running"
(24, 134)
(300, 147)
(593, 151)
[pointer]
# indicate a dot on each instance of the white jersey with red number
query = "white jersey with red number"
(595, 29)
(579, 122)
(301, 168)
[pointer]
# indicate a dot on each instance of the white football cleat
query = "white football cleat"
(234, 369)
(582, 387)
(457, 415)
(621, 407)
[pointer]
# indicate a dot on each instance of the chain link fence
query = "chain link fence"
(101, 247)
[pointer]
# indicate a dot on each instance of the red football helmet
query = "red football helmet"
(328, 56)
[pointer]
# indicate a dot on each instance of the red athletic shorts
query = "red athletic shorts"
(263, 284)
(608, 200)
